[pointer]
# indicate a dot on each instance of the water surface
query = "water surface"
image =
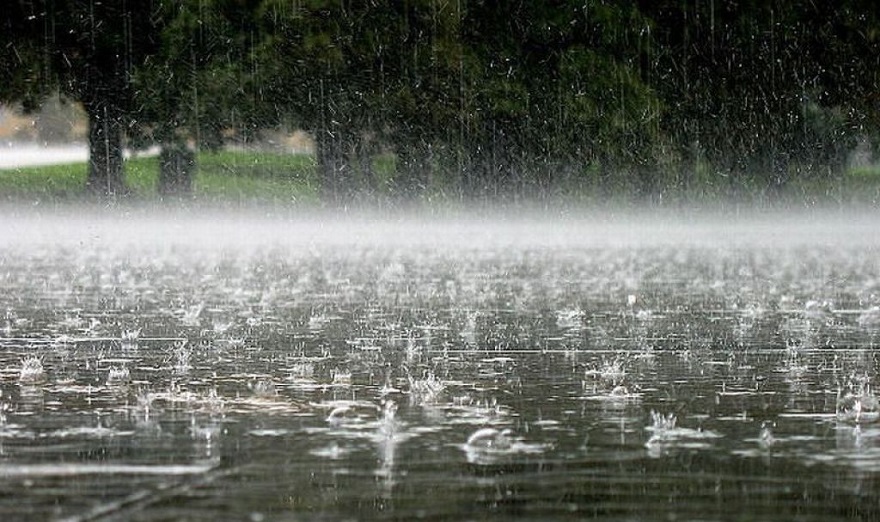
(370, 368)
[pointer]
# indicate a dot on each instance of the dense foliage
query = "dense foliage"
(89, 51)
(471, 98)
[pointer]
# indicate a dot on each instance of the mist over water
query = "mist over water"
(245, 228)
(467, 366)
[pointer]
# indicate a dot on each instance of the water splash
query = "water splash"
(32, 371)
(858, 404)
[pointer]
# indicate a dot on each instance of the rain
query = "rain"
(269, 260)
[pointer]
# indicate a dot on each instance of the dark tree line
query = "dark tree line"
(470, 97)
(89, 52)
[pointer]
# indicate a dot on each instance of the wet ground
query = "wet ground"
(285, 369)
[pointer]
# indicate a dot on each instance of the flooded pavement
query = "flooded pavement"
(306, 370)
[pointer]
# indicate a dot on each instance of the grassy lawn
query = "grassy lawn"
(862, 184)
(225, 176)
(243, 177)
(62, 182)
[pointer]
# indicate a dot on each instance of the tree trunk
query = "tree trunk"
(362, 152)
(177, 166)
(333, 167)
(105, 177)
(412, 173)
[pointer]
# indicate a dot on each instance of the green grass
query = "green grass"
(42, 183)
(861, 185)
(222, 177)
(245, 177)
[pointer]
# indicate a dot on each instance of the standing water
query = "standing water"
(261, 369)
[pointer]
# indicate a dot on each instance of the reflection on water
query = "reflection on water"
(538, 378)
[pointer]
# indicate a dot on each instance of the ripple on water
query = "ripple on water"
(490, 445)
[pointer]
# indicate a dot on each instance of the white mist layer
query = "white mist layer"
(162, 227)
